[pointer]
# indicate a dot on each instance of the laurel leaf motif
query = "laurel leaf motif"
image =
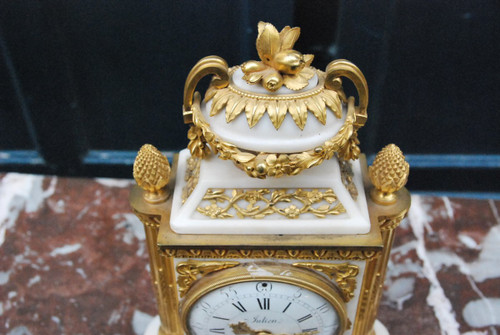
(274, 114)
(220, 100)
(332, 100)
(256, 114)
(299, 116)
(282, 110)
(317, 110)
(211, 92)
(250, 107)
(231, 101)
(236, 109)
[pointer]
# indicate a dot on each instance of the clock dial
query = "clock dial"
(262, 306)
(285, 300)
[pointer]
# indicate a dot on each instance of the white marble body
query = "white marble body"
(218, 174)
(263, 137)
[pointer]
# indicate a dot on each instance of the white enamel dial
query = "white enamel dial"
(262, 307)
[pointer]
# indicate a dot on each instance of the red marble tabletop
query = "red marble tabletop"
(73, 260)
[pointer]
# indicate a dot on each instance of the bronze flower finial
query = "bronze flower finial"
(280, 64)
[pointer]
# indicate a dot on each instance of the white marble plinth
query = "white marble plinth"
(217, 174)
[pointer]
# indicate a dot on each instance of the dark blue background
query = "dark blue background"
(85, 80)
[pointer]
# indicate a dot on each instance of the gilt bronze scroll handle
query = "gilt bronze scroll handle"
(208, 65)
(343, 68)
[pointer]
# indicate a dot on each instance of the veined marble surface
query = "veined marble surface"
(73, 260)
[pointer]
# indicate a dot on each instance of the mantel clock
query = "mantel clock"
(270, 221)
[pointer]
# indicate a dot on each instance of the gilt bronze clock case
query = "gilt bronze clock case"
(270, 222)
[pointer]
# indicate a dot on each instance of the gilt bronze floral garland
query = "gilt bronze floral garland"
(262, 165)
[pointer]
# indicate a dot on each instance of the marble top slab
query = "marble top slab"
(73, 260)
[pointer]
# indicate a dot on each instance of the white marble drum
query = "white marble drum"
(263, 136)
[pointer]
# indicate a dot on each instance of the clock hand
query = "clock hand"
(304, 333)
(243, 328)
(307, 333)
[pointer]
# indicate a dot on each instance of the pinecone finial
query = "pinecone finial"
(388, 173)
(152, 173)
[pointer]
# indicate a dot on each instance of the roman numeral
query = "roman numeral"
(304, 318)
(240, 307)
(286, 307)
(323, 308)
(217, 330)
(218, 317)
(264, 304)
